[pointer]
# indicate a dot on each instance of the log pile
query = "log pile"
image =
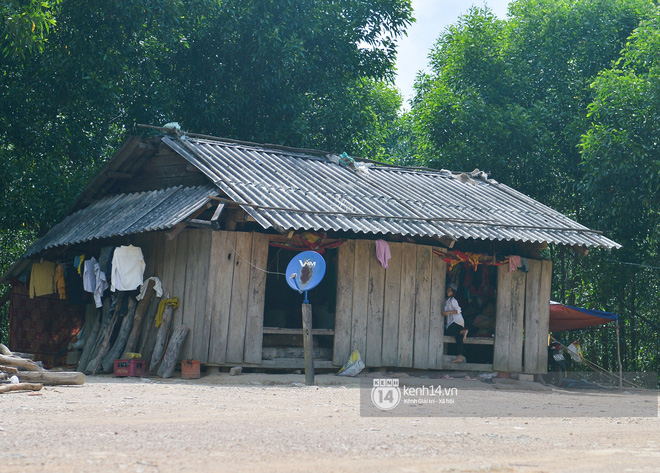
(118, 331)
(30, 376)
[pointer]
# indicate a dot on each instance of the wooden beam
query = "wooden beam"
(580, 250)
(447, 240)
(178, 228)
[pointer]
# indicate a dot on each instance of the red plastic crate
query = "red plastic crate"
(132, 367)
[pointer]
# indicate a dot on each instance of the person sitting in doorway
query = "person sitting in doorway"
(455, 323)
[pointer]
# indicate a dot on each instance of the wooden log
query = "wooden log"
(147, 342)
(117, 349)
(166, 368)
(308, 344)
(104, 339)
(90, 343)
(17, 362)
(140, 311)
(161, 339)
(20, 387)
(53, 378)
(8, 369)
(5, 351)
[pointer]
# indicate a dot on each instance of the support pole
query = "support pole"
(308, 344)
(618, 354)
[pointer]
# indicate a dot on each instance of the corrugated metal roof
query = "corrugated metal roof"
(126, 214)
(316, 193)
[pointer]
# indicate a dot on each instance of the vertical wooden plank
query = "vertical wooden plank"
(219, 296)
(158, 248)
(422, 307)
(169, 266)
(360, 296)
(502, 322)
(436, 321)
(407, 306)
(180, 270)
(532, 317)
(239, 298)
(344, 304)
(200, 331)
(517, 321)
(544, 316)
(189, 309)
(507, 352)
(373, 355)
(390, 353)
(257, 298)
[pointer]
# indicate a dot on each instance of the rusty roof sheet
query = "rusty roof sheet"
(300, 191)
(126, 214)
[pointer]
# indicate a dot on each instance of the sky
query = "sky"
(433, 16)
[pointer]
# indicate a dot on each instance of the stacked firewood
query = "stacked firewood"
(118, 331)
(18, 373)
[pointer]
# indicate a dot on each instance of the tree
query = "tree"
(621, 165)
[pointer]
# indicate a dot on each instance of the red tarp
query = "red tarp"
(565, 317)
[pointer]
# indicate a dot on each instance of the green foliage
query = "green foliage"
(25, 26)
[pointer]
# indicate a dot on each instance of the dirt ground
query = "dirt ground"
(274, 423)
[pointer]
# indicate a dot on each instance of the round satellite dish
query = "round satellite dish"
(305, 271)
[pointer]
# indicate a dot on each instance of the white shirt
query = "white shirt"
(457, 318)
(127, 268)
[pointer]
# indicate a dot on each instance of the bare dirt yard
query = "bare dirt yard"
(274, 423)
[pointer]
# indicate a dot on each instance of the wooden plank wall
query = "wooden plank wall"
(523, 312)
(221, 295)
(389, 314)
(537, 316)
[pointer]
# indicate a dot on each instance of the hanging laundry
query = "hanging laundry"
(105, 260)
(158, 287)
(127, 268)
(383, 253)
(94, 281)
(60, 283)
(161, 307)
(74, 285)
(89, 279)
(78, 263)
(514, 263)
(524, 265)
(42, 279)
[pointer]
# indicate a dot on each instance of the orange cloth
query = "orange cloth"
(59, 281)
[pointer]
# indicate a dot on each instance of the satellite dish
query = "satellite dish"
(305, 271)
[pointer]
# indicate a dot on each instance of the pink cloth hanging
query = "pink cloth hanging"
(383, 252)
(514, 263)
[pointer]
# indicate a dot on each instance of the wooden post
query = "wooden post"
(618, 354)
(172, 354)
(117, 349)
(90, 342)
(162, 338)
(308, 344)
(141, 309)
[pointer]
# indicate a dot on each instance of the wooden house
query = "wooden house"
(219, 220)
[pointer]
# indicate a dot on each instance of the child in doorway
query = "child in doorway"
(455, 323)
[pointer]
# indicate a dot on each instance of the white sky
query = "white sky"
(433, 16)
